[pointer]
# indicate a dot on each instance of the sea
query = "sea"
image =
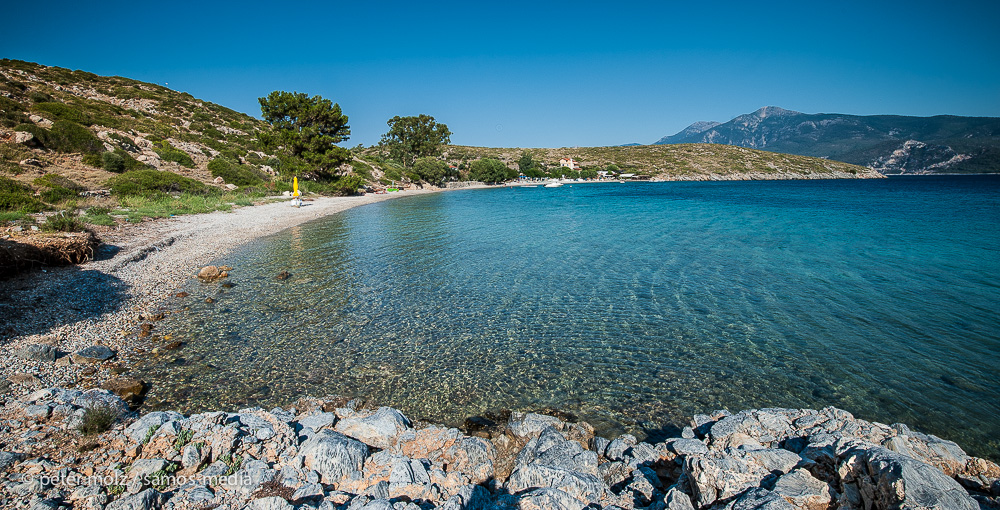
(631, 306)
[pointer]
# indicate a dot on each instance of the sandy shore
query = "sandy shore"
(103, 302)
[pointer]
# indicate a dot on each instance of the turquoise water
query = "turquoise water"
(632, 306)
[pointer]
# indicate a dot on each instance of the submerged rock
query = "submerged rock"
(129, 389)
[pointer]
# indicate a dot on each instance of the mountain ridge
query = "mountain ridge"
(891, 144)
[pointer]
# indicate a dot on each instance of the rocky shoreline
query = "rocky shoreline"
(334, 453)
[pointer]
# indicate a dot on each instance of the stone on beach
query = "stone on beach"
(93, 354)
(211, 273)
(37, 352)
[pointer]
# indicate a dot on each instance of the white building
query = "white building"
(569, 163)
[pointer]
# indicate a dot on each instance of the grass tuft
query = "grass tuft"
(98, 419)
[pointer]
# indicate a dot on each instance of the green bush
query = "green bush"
(129, 162)
(63, 222)
(348, 185)
(57, 194)
(432, 170)
(232, 173)
(152, 182)
(15, 196)
(11, 113)
(57, 181)
(168, 152)
(62, 111)
(39, 97)
(93, 160)
(59, 188)
(65, 136)
(113, 162)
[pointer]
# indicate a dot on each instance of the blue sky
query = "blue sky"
(536, 74)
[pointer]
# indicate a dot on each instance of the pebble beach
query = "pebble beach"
(104, 302)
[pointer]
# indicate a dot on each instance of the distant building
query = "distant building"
(569, 163)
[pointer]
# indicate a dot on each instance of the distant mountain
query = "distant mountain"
(693, 129)
(891, 144)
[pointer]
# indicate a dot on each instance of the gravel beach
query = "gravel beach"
(105, 301)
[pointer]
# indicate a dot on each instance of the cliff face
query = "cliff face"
(891, 144)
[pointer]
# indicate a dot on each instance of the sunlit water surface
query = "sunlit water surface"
(631, 305)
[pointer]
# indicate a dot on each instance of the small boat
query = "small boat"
(554, 184)
(530, 186)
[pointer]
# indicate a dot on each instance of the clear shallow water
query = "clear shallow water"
(630, 305)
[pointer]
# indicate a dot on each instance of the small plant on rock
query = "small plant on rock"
(150, 432)
(97, 419)
(233, 461)
(183, 438)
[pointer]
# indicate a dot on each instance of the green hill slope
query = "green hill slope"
(677, 162)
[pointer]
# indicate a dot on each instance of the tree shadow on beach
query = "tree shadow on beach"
(38, 300)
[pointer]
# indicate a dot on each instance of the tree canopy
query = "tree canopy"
(432, 170)
(410, 138)
(489, 170)
(308, 127)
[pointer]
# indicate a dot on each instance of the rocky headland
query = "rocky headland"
(335, 453)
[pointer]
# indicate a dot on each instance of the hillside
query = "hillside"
(677, 162)
(104, 150)
(147, 124)
(891, 144)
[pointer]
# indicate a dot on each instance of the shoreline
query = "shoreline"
(104, 301)
(337, 454)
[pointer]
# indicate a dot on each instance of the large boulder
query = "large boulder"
(148, 499)
(531, 424)
(873, 477)
(379, 429)
(550, 448)
(548, 499)
(720, 475)
(334, 456)
(585, 488)
(759, 498)
(138, 430)
(474, 457)
(804, 491)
